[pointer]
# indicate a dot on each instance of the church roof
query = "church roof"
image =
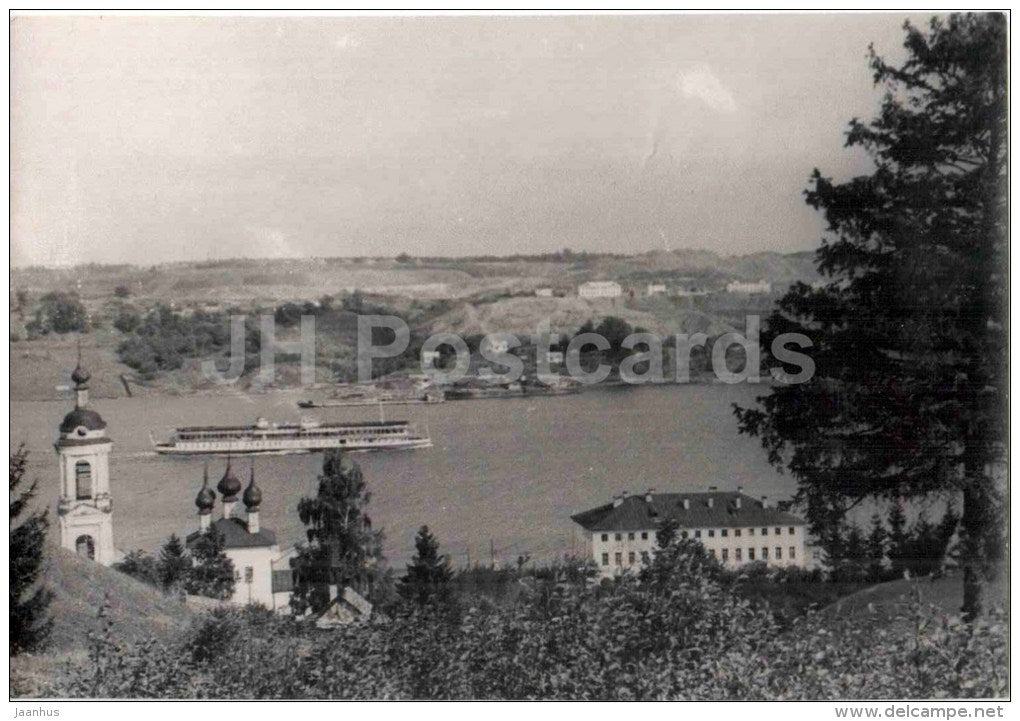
(86, 417)
(235, 534)
(635, 513)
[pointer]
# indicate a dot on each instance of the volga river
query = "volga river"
(503, 475)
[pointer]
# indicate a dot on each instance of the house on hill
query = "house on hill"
(733, 527)
(600, 289)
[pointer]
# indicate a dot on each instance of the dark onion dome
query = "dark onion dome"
(229, 486)
(80, 376)
(252, 494)
(82, 418)
(206, 498)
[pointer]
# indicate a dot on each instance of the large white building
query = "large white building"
(85, 508)
(600, 289)
(733, 527)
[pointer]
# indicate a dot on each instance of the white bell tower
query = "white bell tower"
(85, 509)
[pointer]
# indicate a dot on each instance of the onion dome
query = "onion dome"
(80, 375)
(82, 418)
(206, 498)
(252, 494)
(229, 486)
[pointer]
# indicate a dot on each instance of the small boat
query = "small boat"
(264, 437)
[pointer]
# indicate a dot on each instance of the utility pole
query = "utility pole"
(492, 553)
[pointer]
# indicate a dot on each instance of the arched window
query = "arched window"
(85, 547)
(82, 480)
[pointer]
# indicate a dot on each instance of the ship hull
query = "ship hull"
(286, 447)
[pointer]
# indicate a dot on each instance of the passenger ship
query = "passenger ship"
(283, 438)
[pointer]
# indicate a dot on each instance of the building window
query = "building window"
(630, 536)
(711, 552)
(683, 534)
(631, 558)
(779, 531)
(644, 535)
(764, 531)
(737, 553)
(644, 557)
(750, 531)
(619, 536)
(792, 552)
(791, 530)
(779, 553)
(85, 547)
(82, 480)
(736, 532)
(697, 534)
(249, 574)
(605, 559)
(724, 533)
(619, 558)
(764, 553)
(711, 533)
(750, 554)
(605, 537)
(725, 555)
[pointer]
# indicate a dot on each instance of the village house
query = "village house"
(655, 289)
(600, 289)
(544, 292)
(733, 527)
(762, 286)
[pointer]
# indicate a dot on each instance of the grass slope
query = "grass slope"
(80, 589)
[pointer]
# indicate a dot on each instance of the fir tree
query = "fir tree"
(876, 548)
(212, 574)
(909, 336)
(667, 532)
(428, 575)
(29, 598)
(899, 540)
(174, 563)
(342, 549)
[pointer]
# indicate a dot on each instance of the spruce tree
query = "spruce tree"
(212, 574)
(876, 548)
(342, 549)
(909, 336)
(29, 598)
(667, 532)
(174, 563)
(428, 575)
(899, 539)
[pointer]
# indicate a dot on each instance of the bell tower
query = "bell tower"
(85, 509)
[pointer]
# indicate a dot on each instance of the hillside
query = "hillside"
(80, 589)
(879, 603)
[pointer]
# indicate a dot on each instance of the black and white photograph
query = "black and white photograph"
(510, 356)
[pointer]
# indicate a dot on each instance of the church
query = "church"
(262, 573)
(254, 551)
(85, 509)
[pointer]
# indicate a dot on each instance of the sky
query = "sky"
(156, 139)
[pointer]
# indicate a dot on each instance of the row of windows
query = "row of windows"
(723, 532)
(738, 555)
(618, 558)
(630, 536)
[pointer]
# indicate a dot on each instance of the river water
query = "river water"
(504, 474)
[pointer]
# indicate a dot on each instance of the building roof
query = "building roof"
(635, 513)
(82, 417)
(235, 534)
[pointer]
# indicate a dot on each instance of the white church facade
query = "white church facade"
(85, 506)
